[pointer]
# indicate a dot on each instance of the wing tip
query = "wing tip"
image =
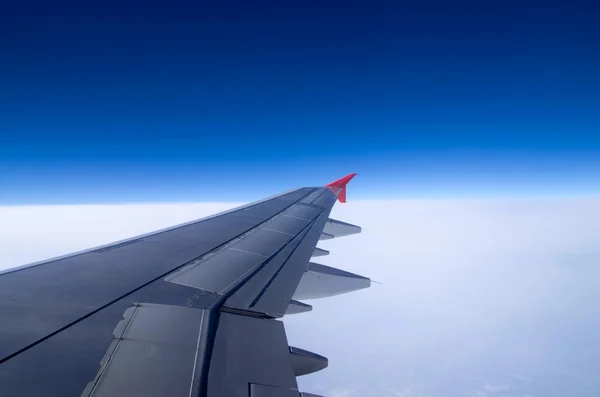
(338, 187)
(342, 182)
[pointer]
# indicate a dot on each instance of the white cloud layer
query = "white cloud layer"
(479, 298)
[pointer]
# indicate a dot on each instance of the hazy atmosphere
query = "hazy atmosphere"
(478, 298)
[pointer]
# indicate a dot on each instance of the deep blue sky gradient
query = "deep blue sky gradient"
(221, 100)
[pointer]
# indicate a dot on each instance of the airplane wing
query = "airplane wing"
(187, 311)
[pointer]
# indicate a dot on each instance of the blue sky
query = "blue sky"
(208, 100)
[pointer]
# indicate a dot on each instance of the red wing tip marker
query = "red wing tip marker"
(339, 187)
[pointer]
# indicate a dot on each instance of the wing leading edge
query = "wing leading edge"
(187, 311)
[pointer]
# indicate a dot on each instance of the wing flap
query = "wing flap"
(154, 353)
(217, 272)
(249, 350)
(288, 225)
(263, 242)
(303, 211)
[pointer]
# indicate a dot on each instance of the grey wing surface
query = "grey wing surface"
(186, 311)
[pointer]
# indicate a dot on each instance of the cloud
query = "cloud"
(472, 293)
(497, 388)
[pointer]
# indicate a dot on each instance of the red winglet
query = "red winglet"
(339, 187)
